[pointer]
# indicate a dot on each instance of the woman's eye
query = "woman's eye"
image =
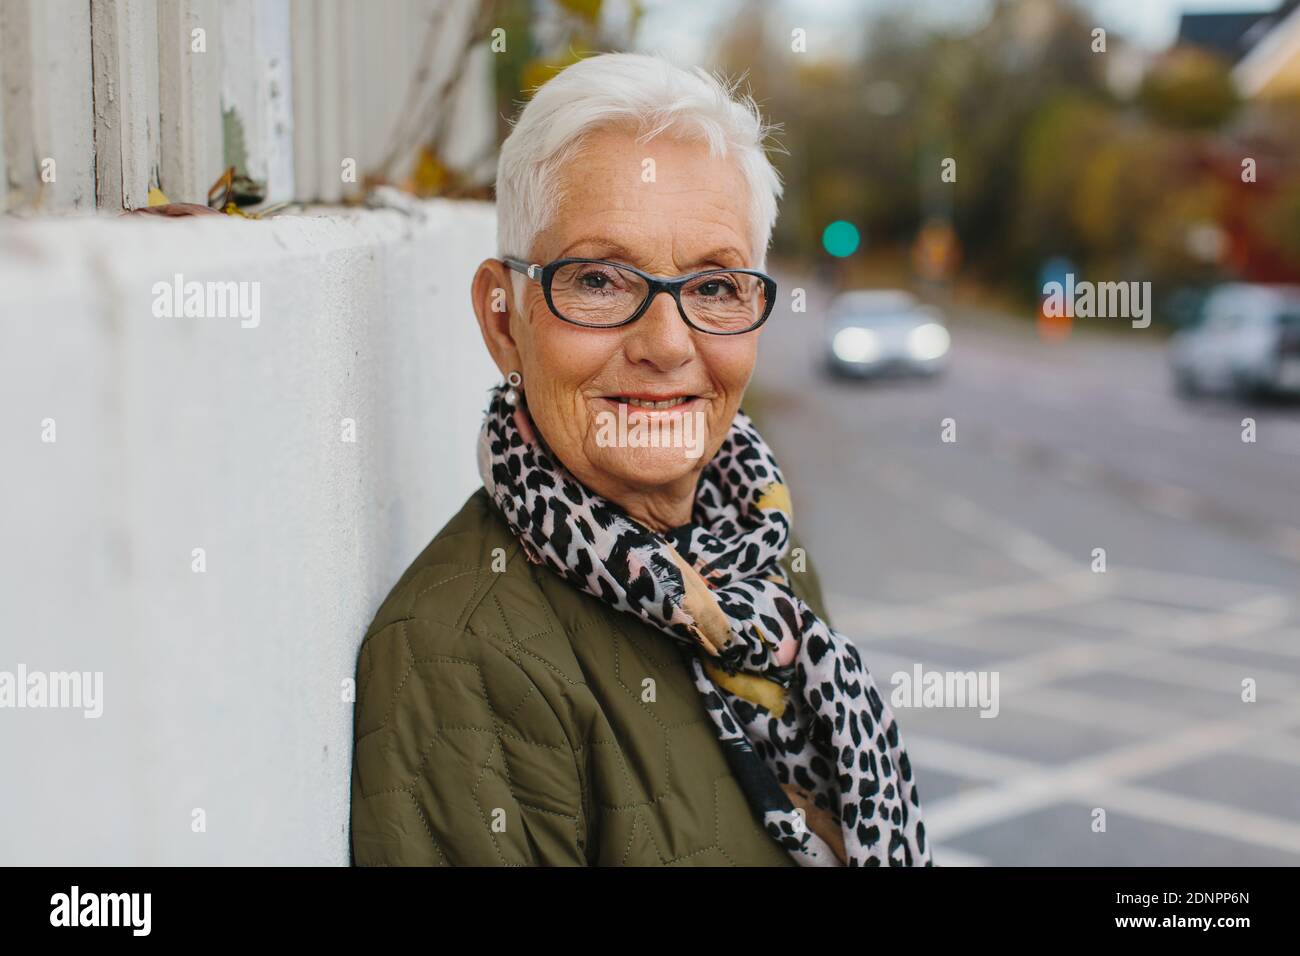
(596, 281)
(712, 288)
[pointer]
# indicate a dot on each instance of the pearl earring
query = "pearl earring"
(514, 380)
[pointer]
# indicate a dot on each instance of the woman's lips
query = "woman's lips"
(654, 404)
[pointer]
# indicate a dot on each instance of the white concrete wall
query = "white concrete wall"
(222, 690)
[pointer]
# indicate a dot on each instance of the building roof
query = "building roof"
(1231, 35)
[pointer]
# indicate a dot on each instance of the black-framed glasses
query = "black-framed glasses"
(599, 294)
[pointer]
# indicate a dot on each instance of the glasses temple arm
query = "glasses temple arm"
(532, 270)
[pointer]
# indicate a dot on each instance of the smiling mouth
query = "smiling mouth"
(651, 403)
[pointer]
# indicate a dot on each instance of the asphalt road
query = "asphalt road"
(1121, 734)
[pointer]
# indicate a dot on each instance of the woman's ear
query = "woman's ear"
(493, 295)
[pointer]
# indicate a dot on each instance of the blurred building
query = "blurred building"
(1231, 34)
(1271, 68)
(1263, 46)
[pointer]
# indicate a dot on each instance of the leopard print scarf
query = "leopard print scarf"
(806, 734)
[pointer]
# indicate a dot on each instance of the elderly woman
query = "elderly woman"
(608, 657)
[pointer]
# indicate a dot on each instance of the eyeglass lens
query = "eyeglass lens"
(602, 294)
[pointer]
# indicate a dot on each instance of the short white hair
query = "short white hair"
(648, 93)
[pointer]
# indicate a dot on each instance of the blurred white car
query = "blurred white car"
(886, 331)
(1246, 342)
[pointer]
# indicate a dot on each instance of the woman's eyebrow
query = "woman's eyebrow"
(603, 248)
(723, 256)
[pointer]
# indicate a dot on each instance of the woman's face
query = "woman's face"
(668, 208)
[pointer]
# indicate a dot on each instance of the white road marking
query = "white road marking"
(876, 620)
(1277, 747)
(1090, 656)
(969, 518)
(1202, 816)
(1284, 642)
(1187, 589)
(1236, 611)
(1222, 676)
(1084, 778)
(1076, 707)
(961, 760)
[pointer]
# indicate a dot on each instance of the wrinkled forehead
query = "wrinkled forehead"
(666, 204)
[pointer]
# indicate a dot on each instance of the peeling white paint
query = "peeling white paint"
(190, 99)
(309, 84)
(126, 101)
(255, 88)
(45, 85)
(275, 86)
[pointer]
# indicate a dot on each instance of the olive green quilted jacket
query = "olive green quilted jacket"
(504, 717)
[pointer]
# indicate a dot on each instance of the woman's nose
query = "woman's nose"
(660, 337)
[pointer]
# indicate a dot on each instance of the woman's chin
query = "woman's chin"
(647, 467)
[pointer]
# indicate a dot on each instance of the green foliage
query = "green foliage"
(1191, 89)
(1279, 220)
(1050, 158)
(588, 10)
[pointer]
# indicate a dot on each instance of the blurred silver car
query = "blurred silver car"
(882, 332)
(1246, 342)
